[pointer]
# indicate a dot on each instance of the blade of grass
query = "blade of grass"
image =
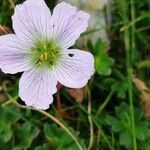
(133, 49)
(91, 140)
(129, 52)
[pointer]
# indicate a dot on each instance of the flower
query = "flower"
(39, 48)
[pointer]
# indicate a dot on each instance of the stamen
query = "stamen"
(46, 53)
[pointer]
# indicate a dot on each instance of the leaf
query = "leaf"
(102, 60)
(122, 111)
(54, 134)
(43, 147)
(8, 115)
(99, 46)
(103, 64)
(125, 139)
(122, 124)
(121, 88)
(6, 134)
(144, 145)
(142, 130)
(108, 82)
(25, 134)
(114, 123)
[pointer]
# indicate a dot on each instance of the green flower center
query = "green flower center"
(46, 53)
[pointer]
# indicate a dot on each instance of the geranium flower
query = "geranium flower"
(39, 48)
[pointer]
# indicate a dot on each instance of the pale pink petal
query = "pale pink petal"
(14, 55)
(31, 20)
(36, 87)
(68, 24)
(75, 68)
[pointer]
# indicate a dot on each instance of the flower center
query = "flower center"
(46, 53)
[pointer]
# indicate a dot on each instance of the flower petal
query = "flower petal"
(14, 55)
(36, 87)
(68, 24)
(31, 19)
(75, 68)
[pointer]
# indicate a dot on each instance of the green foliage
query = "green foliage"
(43, 147)
(120, 87)
(7, 118)
(25, 134)
(59, 139)
(22, 135)
(103, 62)
(121, 124)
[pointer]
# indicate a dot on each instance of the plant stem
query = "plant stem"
(129, 51)
(12, 4)
(108, 98)
(106, 140)
(130, 86)
(130, 73)
(62, 126)
(90, 121)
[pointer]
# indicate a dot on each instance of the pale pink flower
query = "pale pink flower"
(39, 48)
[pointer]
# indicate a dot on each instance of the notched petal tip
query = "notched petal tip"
(40, 106)
(31, 19)
(69, 24)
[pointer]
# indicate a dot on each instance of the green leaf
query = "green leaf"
(99, 46)
(102, 61)
(6, 134)
(43, 147)
(144, 145)
(8, 115)
(25, 134)
(125, 139)
(103, 64)
(122, 111)
(54, 134)
(142, 130)
(121, 88)
(114, 123)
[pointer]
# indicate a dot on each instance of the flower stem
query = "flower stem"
(12, 4)
(91, 140)
(51, 117)
(62, 126)
(108, 98)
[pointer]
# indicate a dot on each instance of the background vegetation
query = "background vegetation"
(111, 112)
